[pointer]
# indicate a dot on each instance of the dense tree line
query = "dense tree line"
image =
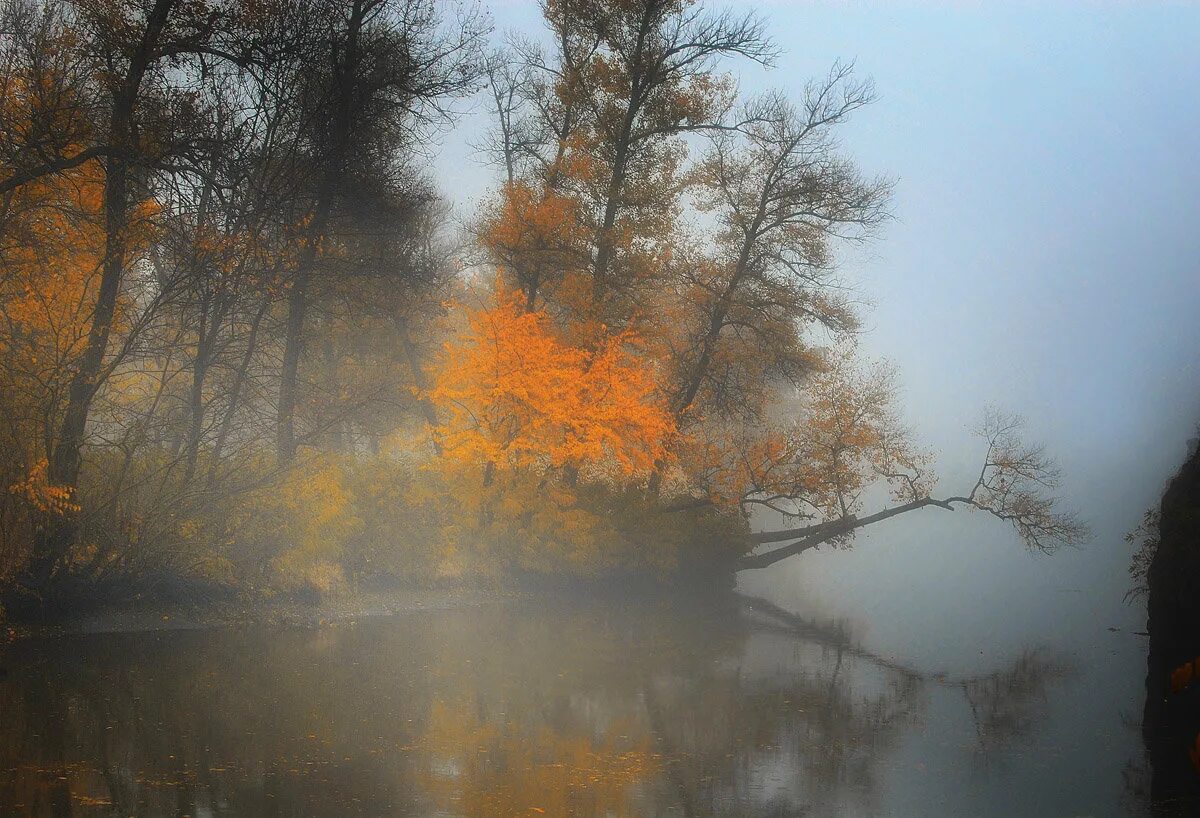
(243, 344)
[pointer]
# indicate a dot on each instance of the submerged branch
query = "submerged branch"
(824, 634)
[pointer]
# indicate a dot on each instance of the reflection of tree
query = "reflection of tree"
(192, 723)
(830, 634)
(812, 712)
(642, 709)
(1008, 704)
(483, 768)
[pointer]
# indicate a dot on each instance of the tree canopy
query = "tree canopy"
(242, 343)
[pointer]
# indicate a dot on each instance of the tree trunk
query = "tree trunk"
(345, 72)
(235, 394)
(720, 311)
(422, 383)
(604, 240)
(65, 460)
(204, 346)
(285, 430)
(66, 457)
(620, 164)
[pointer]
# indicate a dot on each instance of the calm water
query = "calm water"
(738, 709)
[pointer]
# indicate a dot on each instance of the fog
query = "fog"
(748, 420)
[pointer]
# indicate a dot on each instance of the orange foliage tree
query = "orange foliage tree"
(513, 394)
(592, 222)
(50, 249)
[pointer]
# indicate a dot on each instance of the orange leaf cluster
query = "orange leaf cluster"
(1182, 676)
(43, 495)
(529, 218)
(513, 394)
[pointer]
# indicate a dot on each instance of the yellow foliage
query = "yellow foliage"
(500, 770)
(845, 436)
(852, 436)
(300, 523)
(42, 495)
(513, 395)
(52, 245)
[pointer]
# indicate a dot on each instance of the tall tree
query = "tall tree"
(598, 137)
(746, 327)
(375, 74)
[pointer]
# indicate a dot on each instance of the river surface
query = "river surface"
(935, 669)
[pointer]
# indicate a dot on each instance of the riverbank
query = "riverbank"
(140, 615)
(1171, 720)
(170, 604)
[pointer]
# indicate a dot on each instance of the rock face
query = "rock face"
(1171, 722)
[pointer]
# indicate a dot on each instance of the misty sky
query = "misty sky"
(1045, 254)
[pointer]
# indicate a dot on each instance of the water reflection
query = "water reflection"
(739, 709)
(1008, 705)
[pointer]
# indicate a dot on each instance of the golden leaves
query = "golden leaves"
(43, 495)
(530, 219)
(304, 520)
(502, 771)
(513, 394)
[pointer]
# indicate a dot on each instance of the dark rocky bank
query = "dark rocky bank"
(1171, 723)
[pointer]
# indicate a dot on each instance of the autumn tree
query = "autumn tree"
(49, 225)
(593, 127)
(138, 120)
(746, 327)
(514, 394)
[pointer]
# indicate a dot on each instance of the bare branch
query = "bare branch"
(1013, 486)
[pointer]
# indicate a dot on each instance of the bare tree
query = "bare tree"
(781, 193)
